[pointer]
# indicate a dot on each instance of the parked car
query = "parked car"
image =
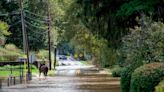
(62, 57)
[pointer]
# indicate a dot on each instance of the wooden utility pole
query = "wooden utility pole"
(23, 26)
(25, 40)
(55, 56)
(49, 33)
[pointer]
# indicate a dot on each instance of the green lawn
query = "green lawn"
(85, 62)
(5, 71)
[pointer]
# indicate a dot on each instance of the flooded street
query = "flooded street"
(74, 78)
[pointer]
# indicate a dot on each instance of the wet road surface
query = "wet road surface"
(71, 79)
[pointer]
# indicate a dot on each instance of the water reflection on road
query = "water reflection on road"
(73, 78)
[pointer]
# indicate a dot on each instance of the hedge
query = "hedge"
(160, 87)
(146, 77)
(126, 76)
(116, 71)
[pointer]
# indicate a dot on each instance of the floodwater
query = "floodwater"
(75, 78)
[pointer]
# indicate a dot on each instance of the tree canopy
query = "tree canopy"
(92, 27)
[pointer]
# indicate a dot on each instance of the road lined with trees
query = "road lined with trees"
(125, 35)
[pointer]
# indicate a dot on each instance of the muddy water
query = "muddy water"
(70, 80)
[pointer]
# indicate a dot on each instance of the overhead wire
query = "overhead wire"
(36, 20)
(27, 11)
(37, 32)
(15, 23)
(28, 25)
(31, 18)
(6, 14)
(10, 13)
(34, 25)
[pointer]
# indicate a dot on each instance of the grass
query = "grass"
(7, 73)
(160, 87)
(5, 70)
(85, 62)
(51, 73)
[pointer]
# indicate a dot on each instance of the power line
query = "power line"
(34, 25)
(41, 33)
(15, 23)
(11, 13)
(4, 14)
(36, 20)
(45, 17)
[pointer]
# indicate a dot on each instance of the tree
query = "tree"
(35, 22)
(112, 18)
(144, 44)
(75, 35)
(3, 29)
(10, 15)
(3, 32)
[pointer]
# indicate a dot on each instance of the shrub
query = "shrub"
(160, 87)
(12, 47)
(126, 75)
(10, 53)
(146, 77)
(116, 71)
(105, 60)
(125, 78)
(51, 73)
(145, 43)
(42, 54)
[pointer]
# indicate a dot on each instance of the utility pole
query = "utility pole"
(25, 41)
(49, 36)
(55, 56)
